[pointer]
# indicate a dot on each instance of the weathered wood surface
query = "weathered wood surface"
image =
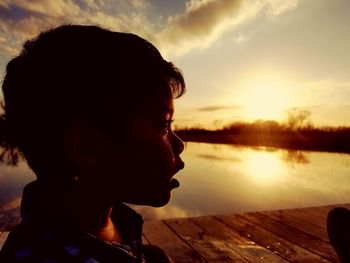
(294, 235)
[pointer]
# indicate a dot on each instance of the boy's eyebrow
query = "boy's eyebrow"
(167, 109)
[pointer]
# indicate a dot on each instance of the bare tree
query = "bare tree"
(298, 118)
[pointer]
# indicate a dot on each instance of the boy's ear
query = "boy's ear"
(82, 143)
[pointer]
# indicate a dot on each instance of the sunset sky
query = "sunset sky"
(242, 60)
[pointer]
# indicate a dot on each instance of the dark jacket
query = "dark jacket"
(35, 241)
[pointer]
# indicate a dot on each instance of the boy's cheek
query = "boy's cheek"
(145, 159)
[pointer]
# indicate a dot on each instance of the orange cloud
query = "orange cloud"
(204, 21)
(200, 25)
(219, 107)
(22, 19)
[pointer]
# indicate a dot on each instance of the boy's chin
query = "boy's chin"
(160, 203)
(155, 201)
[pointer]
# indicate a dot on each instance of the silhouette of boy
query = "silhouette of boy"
(91, 112)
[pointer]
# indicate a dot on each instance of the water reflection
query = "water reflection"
(221, 179)
(264, 167)
(12, 181)
(293, 157)
(169, 211)
(218, 158)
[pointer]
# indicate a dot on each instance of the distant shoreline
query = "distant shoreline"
(326, 142)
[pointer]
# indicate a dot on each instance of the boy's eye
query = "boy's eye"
(166, 124)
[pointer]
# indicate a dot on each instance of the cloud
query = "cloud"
(141, 4)
(43, 7)
(22, 19)
(4, 48)
(205, 21)
(199, 26)
(239, 38)
(218, 107)
(277, 7)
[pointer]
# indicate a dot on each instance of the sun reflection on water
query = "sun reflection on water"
(264, 168)
(222, 179)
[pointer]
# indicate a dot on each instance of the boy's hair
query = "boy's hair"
(72, 73)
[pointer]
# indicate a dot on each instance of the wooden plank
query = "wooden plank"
(306, 241)
(284, 217)
(303, 214)
(327, 209)
(159, 234)
(295, 235)
(344, 205)
(210, 247)
(279, 245)
(244, 246)
(3, 237)
(321, 212)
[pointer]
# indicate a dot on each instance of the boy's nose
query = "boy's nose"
(178, 145)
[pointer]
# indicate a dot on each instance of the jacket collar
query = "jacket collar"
(38, 212)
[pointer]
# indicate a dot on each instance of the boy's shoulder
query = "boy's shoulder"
(19, 245)
(25, 244)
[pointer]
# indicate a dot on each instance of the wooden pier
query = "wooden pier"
(295, 235)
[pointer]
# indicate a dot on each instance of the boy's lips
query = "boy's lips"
(174, 183)
(179, 165)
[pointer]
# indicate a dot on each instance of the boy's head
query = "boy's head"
(78, 92)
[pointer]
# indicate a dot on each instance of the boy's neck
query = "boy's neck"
(79, 207)
(94, 217)
(108, 233)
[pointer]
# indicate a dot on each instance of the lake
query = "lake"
(221, 179)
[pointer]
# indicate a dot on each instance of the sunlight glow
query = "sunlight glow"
(266, 97)
(264, 167)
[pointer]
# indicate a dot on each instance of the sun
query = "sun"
(265, 98)
(265, 102)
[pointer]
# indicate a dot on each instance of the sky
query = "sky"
(243, 60)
